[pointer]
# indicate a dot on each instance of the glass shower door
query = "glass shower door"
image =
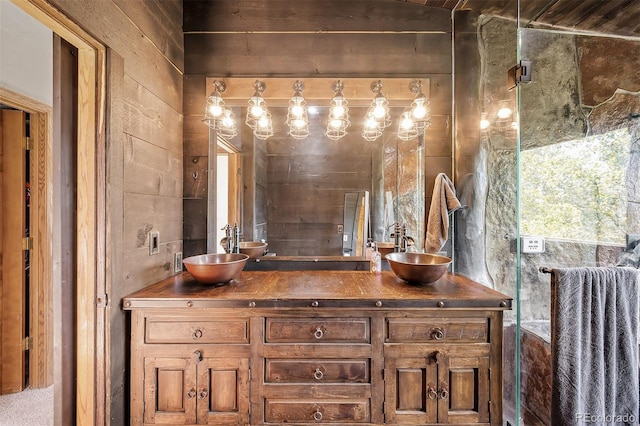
(579, 180)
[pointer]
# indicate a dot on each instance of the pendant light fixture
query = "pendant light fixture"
(406, 126)
(297, 114)
(338, 120)
(216, 115)
(379, 108)
(258, 115)
(420, 112)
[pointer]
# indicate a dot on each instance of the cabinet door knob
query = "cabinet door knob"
(191, 393)
(315, 304)
(203, 394)
(317, 416)
(431, 391)
(197, 333)
(437, 333)
(318, 374)
(444, 393)
(318, 334)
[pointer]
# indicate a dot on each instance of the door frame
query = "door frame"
(41, 321)
(91, 326)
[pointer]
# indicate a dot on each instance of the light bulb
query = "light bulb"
(406, 122)
(419, 111)
(370, 122)
(379, 111)
(504, 113)
(299, 123)
(484, 124)
(215, 110)
(335, 123)
(337, 111)
(263, 122)
(227, 121)
(297, 110)
(256, 111)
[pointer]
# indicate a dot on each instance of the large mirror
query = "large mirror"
(295, 193)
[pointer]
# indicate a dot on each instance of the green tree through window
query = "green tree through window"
(576, 189)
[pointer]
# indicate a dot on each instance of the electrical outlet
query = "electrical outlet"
(154, 242)
(177, 262)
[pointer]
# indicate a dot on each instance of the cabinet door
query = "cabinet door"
(463, 389)
(223, 391)
(169, 391)
(411, 391)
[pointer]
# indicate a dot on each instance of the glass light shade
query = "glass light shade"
(256, 109)
(379, 109)
(370, 129)
(338, 120)
(224, 124)
(215, 105)
(264, 126)
(297, 117)
(420, 112)
(406, 127)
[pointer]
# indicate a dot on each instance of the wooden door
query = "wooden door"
(411, 390)
(170, 392)
(463, 386)
(12, 281)
(223, 391)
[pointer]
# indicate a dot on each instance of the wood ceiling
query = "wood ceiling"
(614, 17)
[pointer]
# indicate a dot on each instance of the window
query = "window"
(576, 190)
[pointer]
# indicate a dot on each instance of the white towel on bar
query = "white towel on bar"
(594, 346)
(443, 202)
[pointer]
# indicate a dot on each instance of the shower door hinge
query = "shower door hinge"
(27, 143)
(521, 73)
(27, 243)
(27, 343)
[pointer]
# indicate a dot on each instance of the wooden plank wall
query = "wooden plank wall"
(331, 39)
(144, 155)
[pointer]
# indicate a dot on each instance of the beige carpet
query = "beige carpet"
(30, 407)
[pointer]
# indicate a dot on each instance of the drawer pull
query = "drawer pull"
(437, 333)
(191, 394)
(318, 374)
(197, 333)
(203, 394)
(318, 334)
(444, 393)
(431, 391)
(317, 416)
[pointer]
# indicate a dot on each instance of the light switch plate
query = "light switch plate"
(154, 242)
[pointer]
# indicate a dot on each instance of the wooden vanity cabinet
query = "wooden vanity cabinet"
(299, 348)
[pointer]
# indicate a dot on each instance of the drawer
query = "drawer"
(437, 329)
(317, 371)
(318, 411)
(317, 330)
(201, 331)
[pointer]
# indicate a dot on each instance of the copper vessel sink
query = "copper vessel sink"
(418, 267)
(215, 268)
(253, 249)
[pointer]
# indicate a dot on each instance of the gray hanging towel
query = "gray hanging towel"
(594, 346)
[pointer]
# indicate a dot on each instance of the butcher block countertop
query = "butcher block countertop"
(300, 289)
